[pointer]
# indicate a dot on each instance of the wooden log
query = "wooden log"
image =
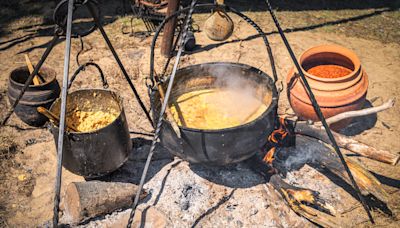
(85, 200)
(348, 143)
(169, 29)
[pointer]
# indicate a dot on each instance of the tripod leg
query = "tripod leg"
(63, 107)
(121, 66)
(30, 78)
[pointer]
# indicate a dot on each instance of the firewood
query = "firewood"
(322, 155)
(358, 113)
(317, 131)
(347, 143)
(298, 199)
(85, 200)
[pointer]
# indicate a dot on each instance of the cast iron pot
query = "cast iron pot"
(36, 95)
(223, 146)
(99, 152)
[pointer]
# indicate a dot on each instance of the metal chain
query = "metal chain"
(160, 118)
(318, 111)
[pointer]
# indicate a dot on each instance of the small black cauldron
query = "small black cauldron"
(99, 152)
(222, 146)
(36, 95)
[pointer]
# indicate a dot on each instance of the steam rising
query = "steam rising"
(233, 80)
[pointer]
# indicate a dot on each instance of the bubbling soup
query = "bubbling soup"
(217, 108)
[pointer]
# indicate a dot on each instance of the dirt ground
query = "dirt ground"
(28, 160)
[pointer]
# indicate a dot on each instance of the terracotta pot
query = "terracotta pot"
(334, 95)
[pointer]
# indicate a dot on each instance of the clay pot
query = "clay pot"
(334, 95)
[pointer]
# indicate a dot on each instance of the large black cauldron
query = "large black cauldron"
(223, 146)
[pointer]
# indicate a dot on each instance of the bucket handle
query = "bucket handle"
(261, 34)
(82, 68)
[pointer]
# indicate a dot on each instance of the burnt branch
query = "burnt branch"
(302, 201)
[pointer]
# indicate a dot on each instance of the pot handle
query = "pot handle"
(207, 6)
(82, 68)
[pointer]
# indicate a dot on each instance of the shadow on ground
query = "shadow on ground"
(361, 124)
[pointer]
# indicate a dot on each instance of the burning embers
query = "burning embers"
(283, 136)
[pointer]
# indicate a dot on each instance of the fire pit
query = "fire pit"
(239, 140)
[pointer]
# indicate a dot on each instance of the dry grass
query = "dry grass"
(8, 149)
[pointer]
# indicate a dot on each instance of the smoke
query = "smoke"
(307, 151)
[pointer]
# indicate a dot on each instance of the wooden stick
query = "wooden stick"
(348, 143)
(362, 112)
(85, 200)
(170, 117)
(36, 80)
(54, 118)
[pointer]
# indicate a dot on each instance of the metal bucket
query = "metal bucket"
(222, 146)
(99, 152)
(36, 95)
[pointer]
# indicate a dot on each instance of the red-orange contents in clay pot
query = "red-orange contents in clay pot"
(329, 71)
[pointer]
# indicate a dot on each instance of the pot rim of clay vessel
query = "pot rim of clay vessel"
(49, 72)
(340, 51)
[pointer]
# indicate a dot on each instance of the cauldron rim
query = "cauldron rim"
(271, 107)
(120, 103)
(50, 72)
